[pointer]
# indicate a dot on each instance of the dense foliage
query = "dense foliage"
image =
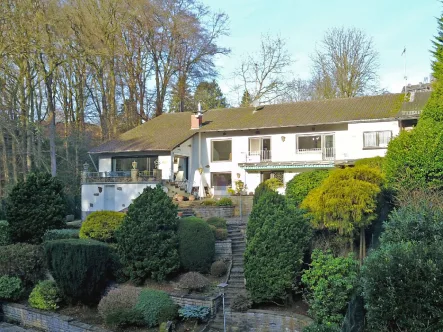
(219, 228)
(193, 281)
(224, 201)
(330, 283)
(156, 307)
(218, 269)
(374, 162)
(34, 206)
(10, 288)
(274, 183)
(241, 302)
(301, 184)
(217, 222)
(195, 312)
(101, 225)
(321, 328)
(410, 257)
(45, 296)
(60, 234)
(81, 268)
(278, 235)
(150, 226)
(196, 244)
(4, 233)
(25, 261)
(117, 307)
(261, 189)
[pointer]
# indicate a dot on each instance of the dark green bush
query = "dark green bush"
(10, 288)
(278, 236)
(224, 201)
(147, 240)
(241, 302)
(80, 267)
(60, 234)
(374, 162)
(217, 222)
(193, 281)
(219, 268)
(4, 233)
(299, 187)
(261, 189)
(220, 234)
(196, 244)
(156, 307)
(101, 225)
(330, 283)
(321, 328)
(34, 206)
(402, 279)
(45, 296)
(125, 318)
(25, 261)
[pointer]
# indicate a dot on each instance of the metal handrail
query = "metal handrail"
(265, 155)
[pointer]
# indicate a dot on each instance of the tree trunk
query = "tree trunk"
(52, 133)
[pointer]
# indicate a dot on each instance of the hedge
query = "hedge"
(101, 225)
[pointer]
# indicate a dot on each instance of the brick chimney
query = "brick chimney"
(196, 119)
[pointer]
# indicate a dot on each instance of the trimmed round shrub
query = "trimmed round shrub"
(217, 222)
(10, 288)
(194, 312)
(196, 244)
(25, 261)
(147, 240)
(34, 206)
(80, 267)
(241, 302)
(45, 296)
(60, 234)
(4, 233)
(220, 234)
(261, 189)
(219, 268)
(224, 201)
(193, 281)
(156, 307)
(101, 225)
(117, 307)
(299, 187)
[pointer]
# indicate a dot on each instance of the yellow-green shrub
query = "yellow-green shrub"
(101, 225)
(45, 296)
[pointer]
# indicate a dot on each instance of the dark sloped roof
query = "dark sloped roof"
(167, 131)
(162, 133)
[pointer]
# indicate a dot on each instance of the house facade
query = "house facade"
(207, 152)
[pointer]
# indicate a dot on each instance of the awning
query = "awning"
(276, 166)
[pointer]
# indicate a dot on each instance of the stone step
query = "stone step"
(237, 269)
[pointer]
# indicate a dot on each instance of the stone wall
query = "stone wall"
(214, 211)
(44, 320)
(269, 321)
(223, 249)
(214, 302)
(246, 203)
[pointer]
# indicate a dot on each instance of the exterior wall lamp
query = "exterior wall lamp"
(283, 138)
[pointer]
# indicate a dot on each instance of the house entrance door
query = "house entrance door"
(109, 198)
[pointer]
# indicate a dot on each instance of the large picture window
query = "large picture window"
(222, 150)
(122, 164)
(376, 139)
(309, 143)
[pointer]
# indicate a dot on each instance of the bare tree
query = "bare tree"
(297, 90)
(263, 72)
(345, 65)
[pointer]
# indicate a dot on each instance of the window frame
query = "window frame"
(372, 147)
(212, 151)
(316, 150)
(212, 178)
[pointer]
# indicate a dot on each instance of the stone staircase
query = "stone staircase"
(174, 188)
(236, 282)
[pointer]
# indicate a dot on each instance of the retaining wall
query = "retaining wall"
(246, 204)
(44, 320)
(214, 211)
(223, 249)
(213, 302)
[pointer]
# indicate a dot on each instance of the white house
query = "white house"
(251, 144)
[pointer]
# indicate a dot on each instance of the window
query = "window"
(309, 143)
(221, 179)
(260, 147)
(125, 163)
(376, 139)
(222, 150)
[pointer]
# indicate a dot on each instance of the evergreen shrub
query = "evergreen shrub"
(217, 222)
(194, 312)
(81, 268)
(209, 202)
(274, 184)
(4, 233)
(10, 288)
(60, 234)
(45, 296)
(193, 281)
(220, 234)
(219, 268)
(35, 206)
(156, 307)
(25, 261)
(300, 185)
(241, 302)
(196, 244)
(101, 225)
(147, 240)
(321, 328)
(224, 201)
(261, 189)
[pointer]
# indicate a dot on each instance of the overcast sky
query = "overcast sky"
(393, 24)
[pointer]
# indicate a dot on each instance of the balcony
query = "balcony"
(122, 176)
(317, 153)
(258, 156)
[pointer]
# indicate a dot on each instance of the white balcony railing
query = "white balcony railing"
(326, 153)
(260, 155)
(120, 176)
